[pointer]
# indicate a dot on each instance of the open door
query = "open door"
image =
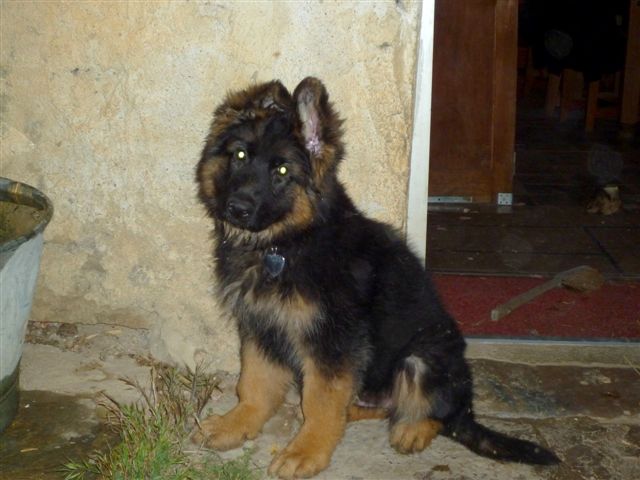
(474, 100)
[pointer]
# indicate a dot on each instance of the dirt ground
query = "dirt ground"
(589, 414)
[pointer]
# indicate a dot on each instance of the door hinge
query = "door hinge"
(450, 199)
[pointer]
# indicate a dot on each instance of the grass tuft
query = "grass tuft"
(153, 433)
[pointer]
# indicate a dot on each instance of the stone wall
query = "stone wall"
(105, 106)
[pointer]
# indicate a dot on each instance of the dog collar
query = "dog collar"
(273, 262)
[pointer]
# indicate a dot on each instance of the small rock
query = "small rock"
(67, 330)
(293, 397)
(102, 412)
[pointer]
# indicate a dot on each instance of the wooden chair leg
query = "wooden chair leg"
(592, 106)
(630, 114)
(566, 95)
(553, 94)
(529, 75)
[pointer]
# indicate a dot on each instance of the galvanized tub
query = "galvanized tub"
(24, 214)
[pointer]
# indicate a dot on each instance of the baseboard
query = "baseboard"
(556, 352)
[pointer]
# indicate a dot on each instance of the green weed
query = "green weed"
(153, 434)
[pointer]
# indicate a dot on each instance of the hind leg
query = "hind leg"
(411, 429)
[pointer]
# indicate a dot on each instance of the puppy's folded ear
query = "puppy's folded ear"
(275, 96)
(265, 96)
(257, 100)
(320, 126)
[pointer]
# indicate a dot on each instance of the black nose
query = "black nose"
(239, 209)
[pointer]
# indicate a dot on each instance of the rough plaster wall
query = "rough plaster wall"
(105, 106)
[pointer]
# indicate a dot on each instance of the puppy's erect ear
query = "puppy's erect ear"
(311, 99)
(320, 126)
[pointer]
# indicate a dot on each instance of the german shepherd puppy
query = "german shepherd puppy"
(324, 296)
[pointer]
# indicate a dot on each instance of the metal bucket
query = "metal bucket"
(24, 214)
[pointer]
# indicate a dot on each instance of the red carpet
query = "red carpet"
(612, 312)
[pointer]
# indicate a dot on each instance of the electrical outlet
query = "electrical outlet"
(505, 198)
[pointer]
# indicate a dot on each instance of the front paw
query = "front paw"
(297, 462)
(224, 433)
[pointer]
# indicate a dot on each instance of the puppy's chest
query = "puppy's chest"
(256, 288)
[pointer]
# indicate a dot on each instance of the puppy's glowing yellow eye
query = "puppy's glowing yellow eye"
(240, 155)
(282, 170)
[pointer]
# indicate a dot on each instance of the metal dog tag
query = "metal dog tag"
(274, 262)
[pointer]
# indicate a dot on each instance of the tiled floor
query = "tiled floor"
(532, 240)
(558, 163)
(558, 168)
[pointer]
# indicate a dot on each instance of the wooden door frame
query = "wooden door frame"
(503, 122)
(417, 196)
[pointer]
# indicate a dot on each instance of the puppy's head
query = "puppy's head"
(269, 157)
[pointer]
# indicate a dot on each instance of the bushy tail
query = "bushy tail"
(489, 443)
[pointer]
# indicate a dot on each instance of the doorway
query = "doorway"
(484, 248)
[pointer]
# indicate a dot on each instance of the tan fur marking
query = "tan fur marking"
(244, 237)
(409, 399)
(414, 437)
(303, 211)
(321, 164)
(412, 431)
(324, 405)
(356, 412)
(208, 172)
(261, 390)
(301, 215)
(223, 121)
(295, 313)
(255, 102)
(230, 293)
